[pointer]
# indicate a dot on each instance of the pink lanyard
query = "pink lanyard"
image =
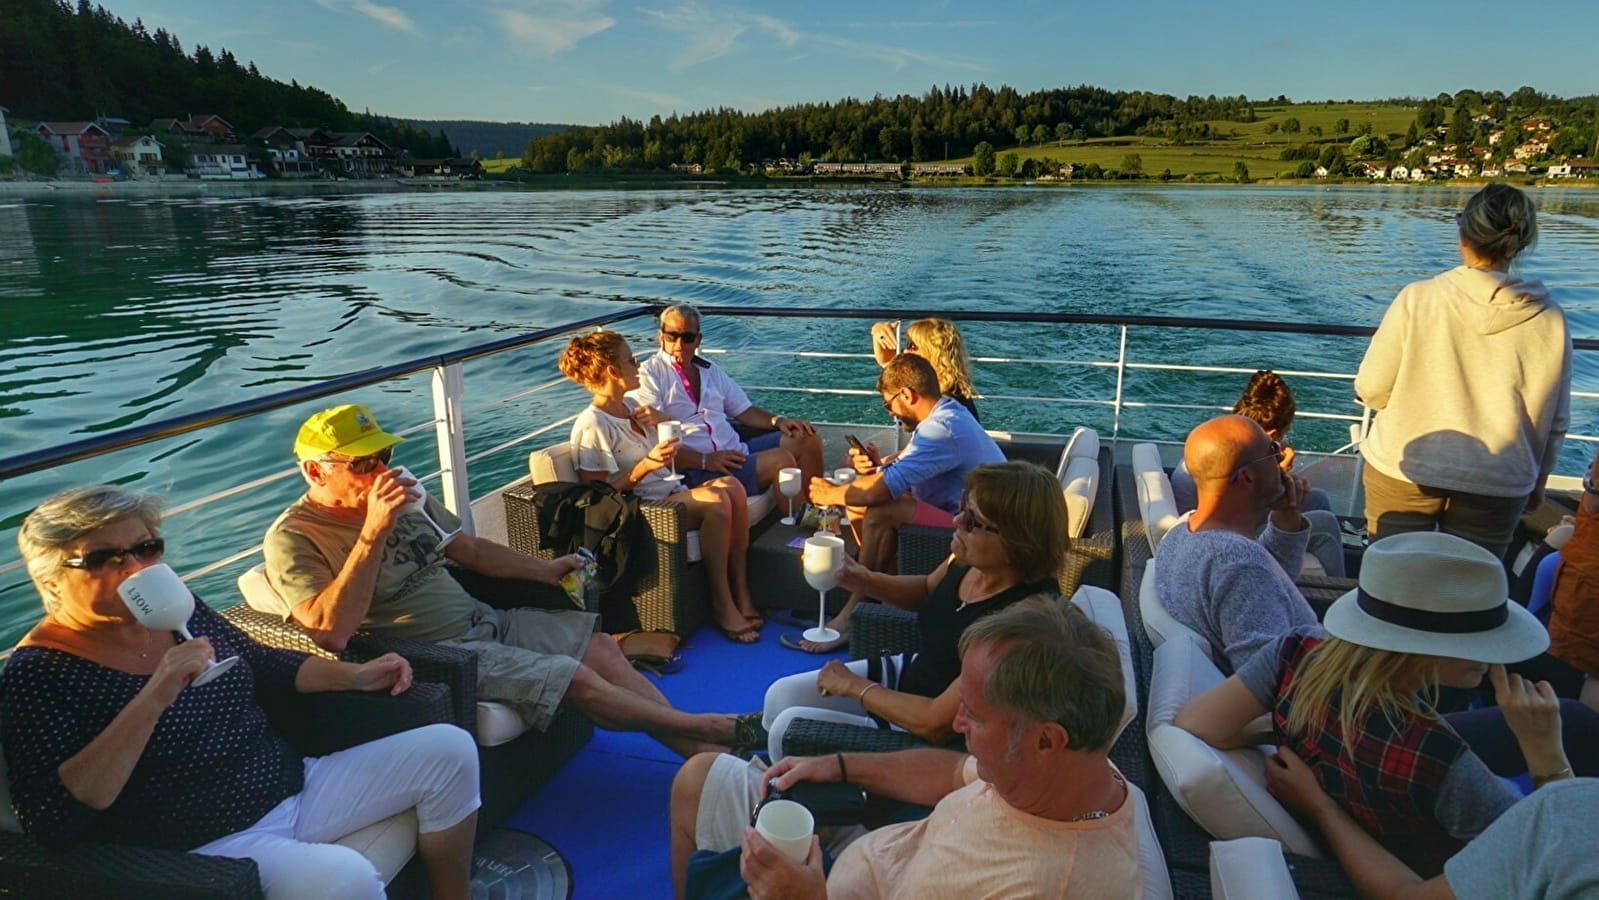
(688, 388)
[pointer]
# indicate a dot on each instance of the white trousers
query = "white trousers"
(432, 769)
(796, 697)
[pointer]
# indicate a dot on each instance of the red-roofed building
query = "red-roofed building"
(84, 147)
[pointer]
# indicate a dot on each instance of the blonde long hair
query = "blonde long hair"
(1361, 678)
(938, 342)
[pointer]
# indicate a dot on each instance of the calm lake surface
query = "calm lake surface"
(128, 311)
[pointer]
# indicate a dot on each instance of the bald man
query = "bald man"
(1215, 575)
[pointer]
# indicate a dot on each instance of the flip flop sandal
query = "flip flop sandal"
(792, 642)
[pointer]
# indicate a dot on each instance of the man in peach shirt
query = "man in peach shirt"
(1037, 809)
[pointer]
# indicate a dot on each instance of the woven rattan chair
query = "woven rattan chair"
(316, 724)
(508, 772)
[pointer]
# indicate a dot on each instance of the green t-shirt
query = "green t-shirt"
(415, 597)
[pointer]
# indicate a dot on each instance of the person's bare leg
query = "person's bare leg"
(709, 512)
(879, 530)
(616, 708)
(447, 856)
(738, 548)
(769, 462)
(807, 453)
(684, 814)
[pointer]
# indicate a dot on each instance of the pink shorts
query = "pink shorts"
(932, 516)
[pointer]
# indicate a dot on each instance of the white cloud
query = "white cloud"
(546, 27)
(387, 16)
(707, 35)
(660, 101)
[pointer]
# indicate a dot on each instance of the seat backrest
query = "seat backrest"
(1106, 610)
(1156, 504)
(1078, 472)
(552, 463)
(1250, 868)
(260, 595)
(1159, 625)
(1222, 790)
(1151, 860)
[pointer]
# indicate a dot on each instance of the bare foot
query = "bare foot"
(738, 629)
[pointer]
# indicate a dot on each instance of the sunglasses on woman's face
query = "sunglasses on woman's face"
(146, 551)
(966, 520)
(364, 465)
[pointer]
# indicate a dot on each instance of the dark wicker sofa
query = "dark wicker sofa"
(316, 724)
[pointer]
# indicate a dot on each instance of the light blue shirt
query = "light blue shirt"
(945, 446)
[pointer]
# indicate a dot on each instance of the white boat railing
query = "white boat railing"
(451, 416)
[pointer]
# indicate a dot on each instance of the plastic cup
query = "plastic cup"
(787, 826)
(843, 475)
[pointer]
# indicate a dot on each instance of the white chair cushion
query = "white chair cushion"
(1250, 868)
(259, 594)
(1105, 609)
(1083, 444)
(1079, 481)
(1151, 861)
(388, 844)
(1156, 504)
(496, 722)
(1223, 790)
(1159, 624)
(554, 463)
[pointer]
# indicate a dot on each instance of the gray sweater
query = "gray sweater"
(1235, 592)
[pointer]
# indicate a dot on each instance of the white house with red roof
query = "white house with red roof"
(84, 146)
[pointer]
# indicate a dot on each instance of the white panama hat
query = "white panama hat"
(1439, 595)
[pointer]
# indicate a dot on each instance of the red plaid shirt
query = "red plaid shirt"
(1387, 779)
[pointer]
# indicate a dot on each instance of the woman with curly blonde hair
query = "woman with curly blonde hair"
(939, 342)
(613, 441)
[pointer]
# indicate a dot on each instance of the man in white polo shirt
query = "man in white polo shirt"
(675, 383)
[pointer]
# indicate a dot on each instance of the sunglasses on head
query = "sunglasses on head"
(685, 337)
(147, 550)
(364, 465)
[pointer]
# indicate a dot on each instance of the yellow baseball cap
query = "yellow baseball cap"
(350, 430)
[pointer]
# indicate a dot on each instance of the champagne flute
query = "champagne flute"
(788, 481)
(823, 555)
(159, 599)
(419, 506)
(670, 430)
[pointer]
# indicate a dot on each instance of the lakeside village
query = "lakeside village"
(207, 147)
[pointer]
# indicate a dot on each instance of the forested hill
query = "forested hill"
(64, 63)
(489, 139)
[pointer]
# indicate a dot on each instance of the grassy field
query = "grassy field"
(1246, 142)
(496, 166)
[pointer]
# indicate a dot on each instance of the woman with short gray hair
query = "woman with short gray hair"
(1471, 374)
(110, 735)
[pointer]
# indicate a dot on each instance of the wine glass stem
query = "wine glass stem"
(821, 609)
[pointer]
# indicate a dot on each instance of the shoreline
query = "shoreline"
(207, 188)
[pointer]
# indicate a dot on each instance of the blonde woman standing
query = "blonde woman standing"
(938, 342)
(1430, 611)
(1471, 374)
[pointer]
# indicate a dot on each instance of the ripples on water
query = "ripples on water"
(122, 312)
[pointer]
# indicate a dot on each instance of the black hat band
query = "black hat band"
(1429, 620)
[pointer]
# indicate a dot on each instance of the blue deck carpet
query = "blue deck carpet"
(605, 811)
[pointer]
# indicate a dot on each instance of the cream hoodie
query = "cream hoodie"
(1471, 373)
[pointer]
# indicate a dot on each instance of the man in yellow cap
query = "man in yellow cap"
(350, 554)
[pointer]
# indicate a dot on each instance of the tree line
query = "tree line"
(64, 63)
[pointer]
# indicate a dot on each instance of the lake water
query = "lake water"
(129, 311)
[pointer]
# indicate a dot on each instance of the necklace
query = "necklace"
(1094, 814)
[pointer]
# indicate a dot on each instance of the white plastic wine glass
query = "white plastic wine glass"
(824, 554)
(159, 599)
(788, 481)
(419, 506)
(670, 430)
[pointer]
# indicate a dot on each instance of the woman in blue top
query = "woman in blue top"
(106, 739)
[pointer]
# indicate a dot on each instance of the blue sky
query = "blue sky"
(591, 61)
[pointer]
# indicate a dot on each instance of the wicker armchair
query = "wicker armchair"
(1091, 559)
(669, 594)
(875, 629)
(316, 724)
(508, 772)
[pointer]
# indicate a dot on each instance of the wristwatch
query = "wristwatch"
(775, 420)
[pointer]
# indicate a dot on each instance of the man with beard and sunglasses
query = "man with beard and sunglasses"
(1213, 573)
(351, 555)
(922, 485)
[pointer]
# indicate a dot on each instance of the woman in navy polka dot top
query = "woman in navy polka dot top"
(105, 738)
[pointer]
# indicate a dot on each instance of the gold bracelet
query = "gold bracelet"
(861, 697)
(1539, 781)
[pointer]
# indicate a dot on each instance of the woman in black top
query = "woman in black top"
(1009, 543)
